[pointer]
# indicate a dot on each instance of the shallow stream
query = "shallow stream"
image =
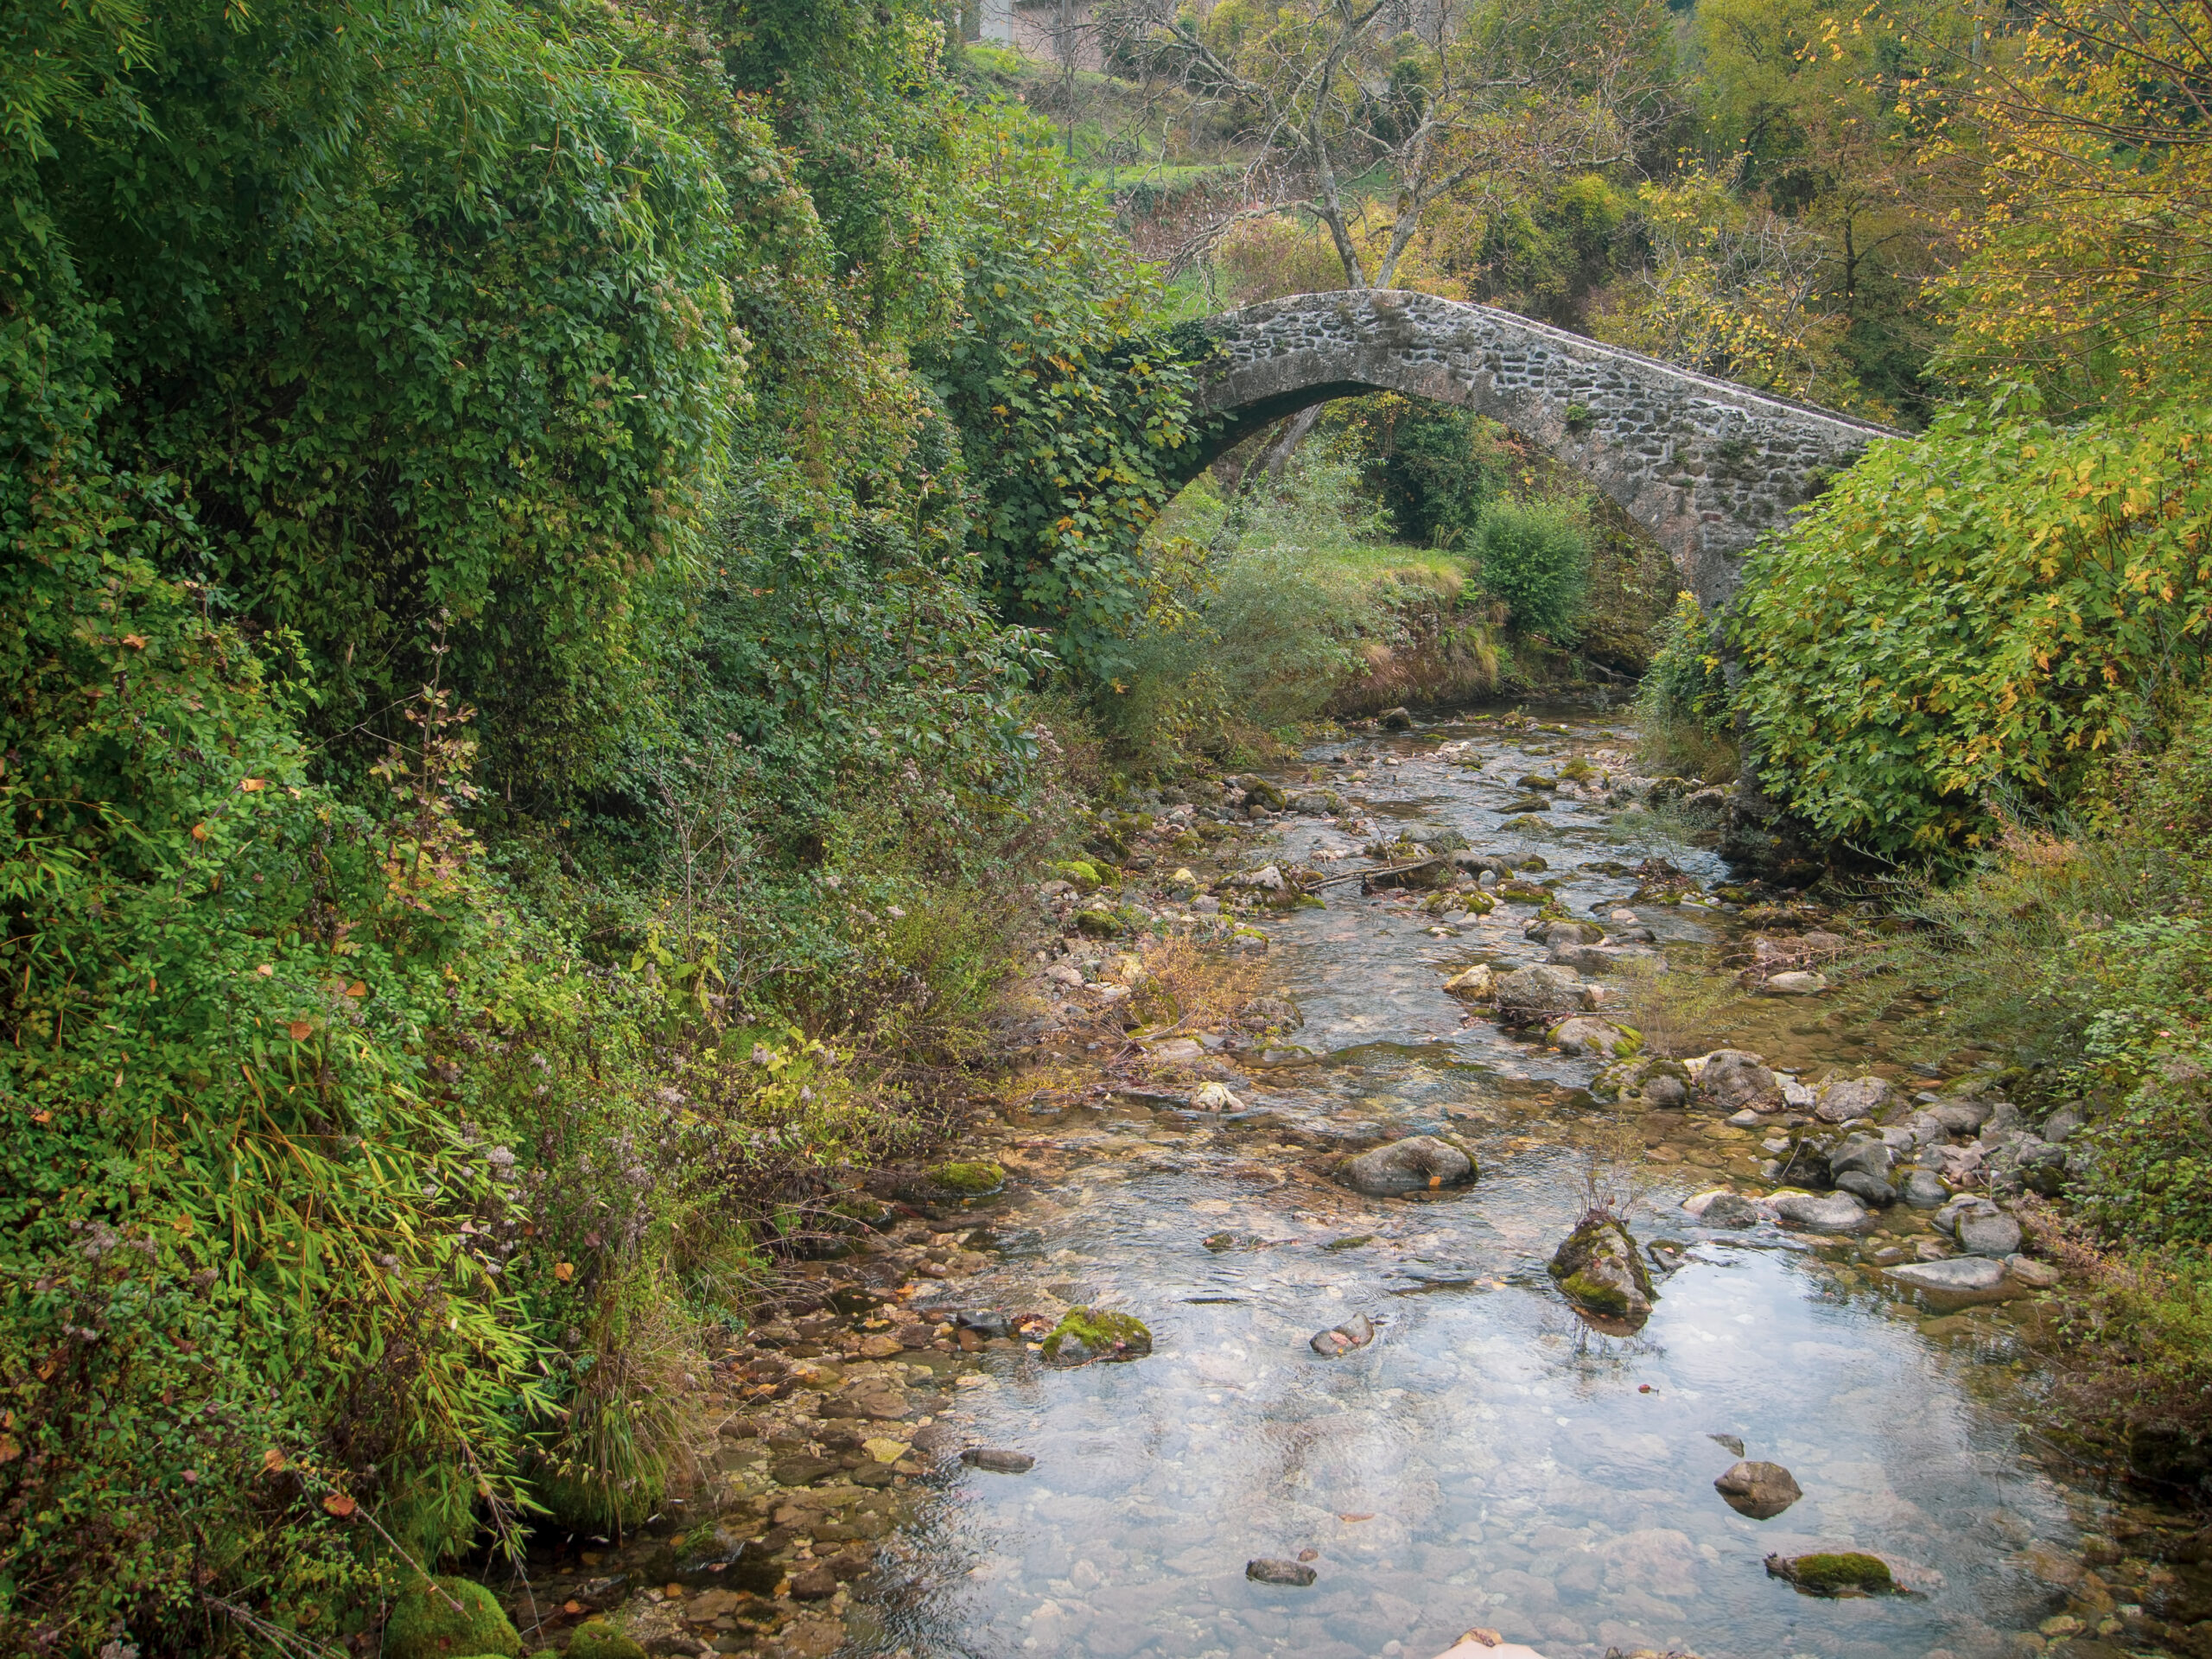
(1490, 1460)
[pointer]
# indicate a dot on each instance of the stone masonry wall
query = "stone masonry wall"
(1704, 465)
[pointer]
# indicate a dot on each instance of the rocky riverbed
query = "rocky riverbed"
(1239, 1325)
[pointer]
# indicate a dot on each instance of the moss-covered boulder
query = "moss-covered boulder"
(448, 1619)
(1085, 1334)
(597, 1639)
(969, 1180)
(1843, 1573)
(1600, 1271)
(1644, 1083)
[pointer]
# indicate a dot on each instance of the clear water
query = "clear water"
(1490, 1460)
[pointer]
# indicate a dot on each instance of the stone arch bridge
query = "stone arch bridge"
(1704, 465)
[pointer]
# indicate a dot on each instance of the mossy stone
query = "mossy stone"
(1600, 1271)
(1087, 1333)
(597, 1639)
(1097, 924)
(1840, 1574)
(971, 1179)
(427, 1624)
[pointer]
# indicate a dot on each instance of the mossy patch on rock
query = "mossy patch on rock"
(1087, 1333)
(971, 1179)
(1843, 1573)
(597, 1639)
(1600, 1271)
(448, 1619)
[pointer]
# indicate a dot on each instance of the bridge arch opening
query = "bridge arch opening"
(1704, 466)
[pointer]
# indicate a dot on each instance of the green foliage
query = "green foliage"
(1683, 721)
(1259, 625)
(1435, 468)
(430, 313)
(1535, 559)
(1073, 416)
(448, 1619)
(1990, 614)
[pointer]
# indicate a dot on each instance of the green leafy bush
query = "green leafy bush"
(1682, 708)
(1535, 560)
(1989, 614)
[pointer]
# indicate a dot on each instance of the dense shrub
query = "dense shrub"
(1989, 614)
(1535, 559)
(1682, 708)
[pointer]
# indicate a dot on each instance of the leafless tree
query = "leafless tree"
(1356, 111)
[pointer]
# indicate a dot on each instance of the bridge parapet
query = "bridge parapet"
(1704, 465)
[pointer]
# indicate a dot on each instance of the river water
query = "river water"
(1490, 1460)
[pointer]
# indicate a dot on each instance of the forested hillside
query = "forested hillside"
(566, 562)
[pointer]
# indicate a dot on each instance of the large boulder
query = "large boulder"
(1962, 1275)
(1600, 1271)
(1418, 1163)
(1853, 1097)
(1733, 1079)
(1817, 1212)
(1540, 994)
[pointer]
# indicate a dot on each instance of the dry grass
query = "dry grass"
(1190, 987)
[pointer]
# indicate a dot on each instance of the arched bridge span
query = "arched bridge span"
(1706, 466)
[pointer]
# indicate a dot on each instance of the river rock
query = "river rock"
(1843, 1573)
(998, 1462)
(1648, 1083)
(1589, 958)
(1296, 1575)
(1959, 1275)
(1587, 1034)
(2061, 1126)
(1541, 993)
(2027, 1270)
(1729, 1209)
(1761, 1490)
(1392, 720)
(1355, 1333)
(1840, 1102)
(1259, 791)
(1560, 933)
(1831, 1213)
(1868, 1153)
(1478, 983)
(1872, 1189)
(1733, 1079)
(1925, 1190)
(1599, 1270)
(1214, 1097)
(1961, 1116)
(1794, 981)
(1417, 1163)
(1986, 1230)
(1085, 1334)
(2030, 1162)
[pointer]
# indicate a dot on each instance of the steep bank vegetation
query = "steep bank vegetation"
(529, 537)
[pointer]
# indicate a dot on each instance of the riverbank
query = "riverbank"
(892, 1462)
